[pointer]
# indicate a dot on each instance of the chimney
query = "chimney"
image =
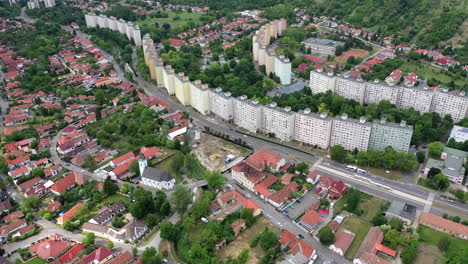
(307, 111)
(287, 109)
(218, 90)
(255, 102)
(243, 97)
(330, 73)
(344, 116)
(273, 104)
(362, 120)
(204, 86)
(319, 70)
(323, 115)
(181, 74)
(197, 82)
(383, 121)
(403, 123)
(227, 94)
(376, 80)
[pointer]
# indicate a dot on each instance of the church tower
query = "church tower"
(143, 163)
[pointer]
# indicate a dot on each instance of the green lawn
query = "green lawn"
(36, 260)
(184, 18)
(116, 198)
(360, 228)
(428, 72)
(371, 207)
(457, 246)
(393, 175)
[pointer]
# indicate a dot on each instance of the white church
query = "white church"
(154, 177)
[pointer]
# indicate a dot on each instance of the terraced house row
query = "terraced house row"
(421, 99)
(132, 32)
(263, 55)
(304, 126)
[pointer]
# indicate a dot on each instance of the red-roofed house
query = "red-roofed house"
(262, 187)
(302, 250)
(149, 153)
(51, 248)
(30, 183)
(13, 216)
(176, 43)
(70, 181)
(287, 238)
(444, 225)
(278, 198)
(311, 219)
(100, 255)
(263, 158)
(247, 175)
(367, 253)
(250, 204)
(123, 258)
(122, 159)
(238, 226)
(69, 214)
(337, 190)
(70, 255)
(313, 177)
(53, 207)
(343, 240)
(8, 229)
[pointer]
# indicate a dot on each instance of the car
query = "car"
(298, 201)
(291, 206)
(300, 236)
(450, 200)
(286, 211)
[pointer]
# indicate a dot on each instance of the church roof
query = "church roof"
(156, 174)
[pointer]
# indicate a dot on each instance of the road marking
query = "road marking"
(430, 199)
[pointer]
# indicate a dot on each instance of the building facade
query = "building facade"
(350, 133)
(321, 82)
(313, 129)
(200, 97)
(397, 136)
(278, 121)
(222, 105)
(350, 88)
(248, 114)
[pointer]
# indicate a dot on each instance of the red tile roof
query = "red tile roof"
(123, 258)
(28, 184)
(70, 180)
(50, 248)
(263, 157)
(445, 224)
(7, 229)
(287, 237)
(69, 214)
(300, 246)
(311, 218)
(13, 216)
(149, 152)
(123, 158)
(96, 256)
(70, 255)
(385, 250)
(343, 240)
(250, 204)
(176, 42)
(53, 207)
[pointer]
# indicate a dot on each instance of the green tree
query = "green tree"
(353, 198)
(396, 224)
(168, 231)
(421, 156)
(110, 245)
(337, 153)
(135, 167)
(68, 225)
(410, 252)
(444, 243)
(302, 167)
(392, 238)
(379, 220)
(435, 149)
(326, 236)
(150, 256)
(31, 203)
(38, 172)
(181, 198)
(89, 239)
(215, 179)
(152, 220)
(267, 240)
(110, 187)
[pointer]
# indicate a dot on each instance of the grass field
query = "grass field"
(432, 237)
(36, 260)
(371, 207)
(116, 198)
(244, 240)
(428, 72)
(183, 19)
(393, 175)
(360, 228)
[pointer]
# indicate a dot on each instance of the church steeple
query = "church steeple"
(142, 162)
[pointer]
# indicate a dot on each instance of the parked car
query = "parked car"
(291, 206)
(300, 236)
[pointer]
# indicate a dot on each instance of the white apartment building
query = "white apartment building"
(270, 61)
(350, 88)
(248, 114)
(384, 134)
(49, 3)
(132, 32)
(168, 79)
(447, 103)
(31, 4)
(417, 98)
(262, 55)
(182, 88)
(200, 97)
(278, 121)
(350, 133)
(282, 67)
(222, 105)
(376, 92)
(321, 82)
(313, 129)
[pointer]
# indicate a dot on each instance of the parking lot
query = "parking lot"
(302, 206)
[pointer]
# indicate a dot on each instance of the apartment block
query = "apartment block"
(313, 129)
(182, 88)
(279, 121)
(350, 133)
(384, 134)
(270, 61)
(132, 31)
(168, 79)
(49, 3)
(350, 88)
(449, 103)
(417, 98)
(222, 105)
(376, 92)
(248, 114)
(321, 82)
(282, 67)
(200, 97)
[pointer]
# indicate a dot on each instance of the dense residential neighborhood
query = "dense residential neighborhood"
(232, 132)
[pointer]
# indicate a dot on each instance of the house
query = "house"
(50, 248)
(122, 159)
(343, 240)
(70, 181)
(18, 162)
(286, 179)
(100, 255)
(124, 258)
(69, 214)
(444, 225)
(24, 230)
(10, 228)
(29, 183)
(311, 219)
(220, 245)
(371, 245)
(337, 190)
(177, 131)
(300, 252)
(232, 201)
(238, 226)
(247, 175)
(176, 43)
(107, 213)
(278, 198)
(263, 187)
(70, 255)
(13, 216)
(53, 207)
(129, 233)
(313, 177)
(4, 206)
(150, 153)
(154, 177)
(38, 190)
(403, 211)
(287, 238)
(23, 171)
(264, 159)
(450, 163)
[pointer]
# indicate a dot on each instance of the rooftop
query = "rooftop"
(323, 42)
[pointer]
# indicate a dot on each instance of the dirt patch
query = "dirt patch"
(245, 238)
(428, 254)
(213, 152)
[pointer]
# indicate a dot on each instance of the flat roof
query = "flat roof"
(323, 42)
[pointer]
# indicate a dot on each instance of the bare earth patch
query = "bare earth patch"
(428, 254)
